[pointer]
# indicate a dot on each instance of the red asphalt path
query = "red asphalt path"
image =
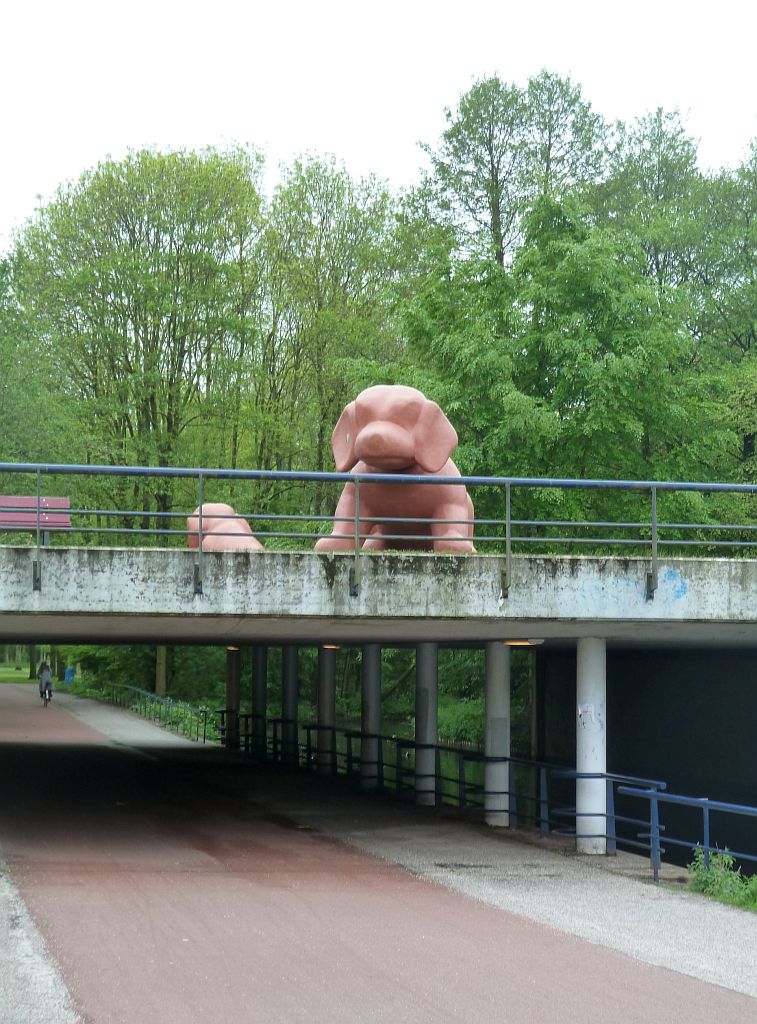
(167, 892)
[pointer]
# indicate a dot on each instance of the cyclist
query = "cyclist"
(45, 677)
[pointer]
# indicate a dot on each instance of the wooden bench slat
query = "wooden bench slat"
(20, 513)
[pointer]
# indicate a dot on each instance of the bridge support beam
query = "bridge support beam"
(370, 679)
(426, 721)
(326, 740)
(497, 737)
(290, 687)
(231, 738)
(259, 695)
(591, 746)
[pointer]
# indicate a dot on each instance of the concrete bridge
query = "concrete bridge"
(305, 598)
(136, 595)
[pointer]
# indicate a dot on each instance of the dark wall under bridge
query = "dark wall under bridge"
(684, 716)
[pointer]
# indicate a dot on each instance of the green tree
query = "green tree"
(725, 265)
(503, 147)
(565, 139)
(547, 367)
(35, 420)
(591, 334)
(478, 169)
(652, 193)
(137, 280)
(330, 259)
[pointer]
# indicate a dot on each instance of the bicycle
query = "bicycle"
(47, 696)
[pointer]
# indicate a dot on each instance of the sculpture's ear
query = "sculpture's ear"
(343, 439)
(435, 438)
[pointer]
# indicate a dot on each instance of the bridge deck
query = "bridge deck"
(132, 594)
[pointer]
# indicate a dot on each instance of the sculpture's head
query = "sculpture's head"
(392, 427)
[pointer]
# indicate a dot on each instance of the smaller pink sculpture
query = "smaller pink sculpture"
(219, 533)
(396, 429)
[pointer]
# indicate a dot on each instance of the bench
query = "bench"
(18, 513)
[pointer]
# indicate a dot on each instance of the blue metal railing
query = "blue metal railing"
(529, 793)
(614, 783)
(502, 534)
(656, 829)
(339, 752)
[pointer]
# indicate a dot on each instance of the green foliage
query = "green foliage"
(198, 675)
(462, 721)
(721, 882)
(195, 674)
(100, 665)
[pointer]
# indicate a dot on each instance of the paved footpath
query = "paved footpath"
(147, 879)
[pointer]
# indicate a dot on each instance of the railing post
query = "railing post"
(512, 795)
(355, 570)
(654, 833)
(198, 563)
(543, 801)
(37, 566)
(461, 779)
(507, 575)
(652, 577)
(706, 825)
(612, 846)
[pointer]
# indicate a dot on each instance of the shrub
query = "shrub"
(462, 721)
(721, 881)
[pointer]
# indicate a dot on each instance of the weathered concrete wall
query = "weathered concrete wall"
(301, 596)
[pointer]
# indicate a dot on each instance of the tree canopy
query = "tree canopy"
(164, 310)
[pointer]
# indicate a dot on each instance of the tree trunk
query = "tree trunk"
(160, 670)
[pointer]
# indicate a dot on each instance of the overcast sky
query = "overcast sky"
(84, 79)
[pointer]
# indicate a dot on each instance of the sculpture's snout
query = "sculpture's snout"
(386, 445)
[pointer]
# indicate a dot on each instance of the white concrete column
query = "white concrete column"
(259, 695)
(325, 743)
(426, 721)
(370, 679)
(497, 737)
(289, 700)
(591, 745)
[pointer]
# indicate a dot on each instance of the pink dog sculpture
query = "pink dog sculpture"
(218, 533)
(396, 429)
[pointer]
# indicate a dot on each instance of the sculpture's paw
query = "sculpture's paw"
(335, 544)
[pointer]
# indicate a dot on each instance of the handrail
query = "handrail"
(468, 795)
(397, 775)
(649, 535)
(705, 487)
(706, 805)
